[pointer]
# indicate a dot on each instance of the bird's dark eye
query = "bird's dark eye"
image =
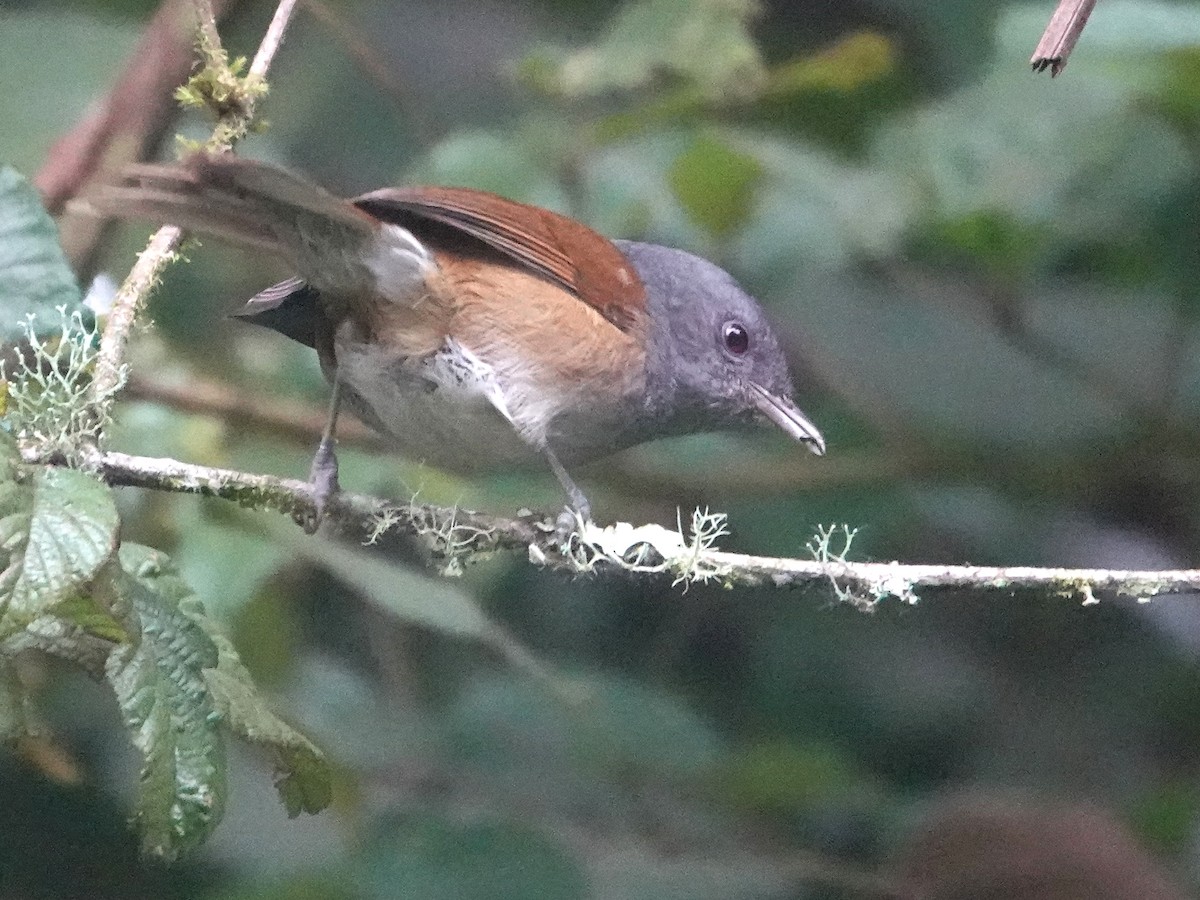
(736, 338)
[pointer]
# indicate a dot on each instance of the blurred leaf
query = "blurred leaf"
(1165, 819)
(715, 184)
(431, 857)
(216, 535)
(57, 529)
(159, 682)
(269, 632)
(323, 886)
(850, 62)
(816, 209)
(417, 599)
(12, 703)
(618, 724)
(1002, 246)
(629, 196)
(1083, 154)
(517, 163)
(790, 778)
(938, 33)
(707, 42)
(847, 65)
(52, 62)
(352, 720)
(987, 390)
(34, 276)
(1179, 98)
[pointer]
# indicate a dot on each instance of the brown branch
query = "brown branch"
(1061, 35)
(351, 512)
(126, 125)
(464, 533)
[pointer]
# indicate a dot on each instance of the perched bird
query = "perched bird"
(477, 332)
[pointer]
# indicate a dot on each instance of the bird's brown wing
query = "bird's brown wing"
(558, 248)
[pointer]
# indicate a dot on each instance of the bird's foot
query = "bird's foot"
(570, 522)
(323, 477)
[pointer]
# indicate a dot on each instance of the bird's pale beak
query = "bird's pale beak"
(784, 413)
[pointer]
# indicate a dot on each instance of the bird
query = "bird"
(476, 332)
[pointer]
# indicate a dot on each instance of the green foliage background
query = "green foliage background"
(986, 281)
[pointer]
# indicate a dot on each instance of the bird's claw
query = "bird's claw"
(570, 523)
(323, 477)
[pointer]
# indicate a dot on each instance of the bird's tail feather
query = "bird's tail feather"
(245, 202)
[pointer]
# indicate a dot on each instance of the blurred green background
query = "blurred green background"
(988, 283)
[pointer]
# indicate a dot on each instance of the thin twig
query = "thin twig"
(272, 39)
(864, 582)
(110, 361)
(1060, 36)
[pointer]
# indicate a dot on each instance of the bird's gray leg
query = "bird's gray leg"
(580, 508)
(323, 475)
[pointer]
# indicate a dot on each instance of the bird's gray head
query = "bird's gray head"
(712, 358)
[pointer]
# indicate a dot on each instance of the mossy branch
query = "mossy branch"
(233, 120)
(624, 551)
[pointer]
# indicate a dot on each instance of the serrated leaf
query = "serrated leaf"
(34, 276)
(304, 780)
(155, 571)
(57, 530)
(165, 701)
(715, 184)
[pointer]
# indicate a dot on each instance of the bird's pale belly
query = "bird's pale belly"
(433, 411)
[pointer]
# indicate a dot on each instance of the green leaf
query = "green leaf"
(518, 162)
(304, 781)
(706, 42)
(431, 857)
(57, 529)
(166, 703)
(619, 725)
(34, 276)
(859, 58)
(428, 602)
(12, 704)
(432, 603)
(715, 184)
(85, 613)
(155, 571)
(777, 776)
